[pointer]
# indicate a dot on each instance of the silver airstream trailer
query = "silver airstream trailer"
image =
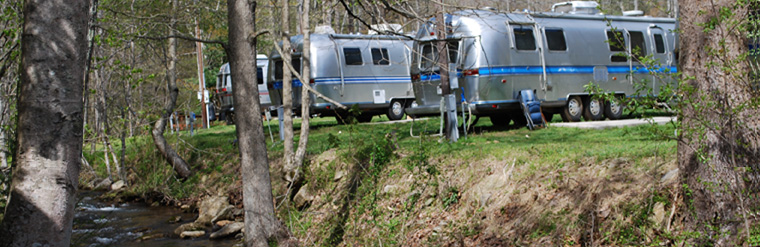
(370, 72)
(555, 54)
(224, 89)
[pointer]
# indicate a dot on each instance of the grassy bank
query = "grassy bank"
(379, 184)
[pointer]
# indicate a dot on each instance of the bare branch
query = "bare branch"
(306, 83)
(183, 37)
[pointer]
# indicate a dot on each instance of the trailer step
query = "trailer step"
(531, 108)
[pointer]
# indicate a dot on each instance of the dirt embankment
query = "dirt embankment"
(488, 202)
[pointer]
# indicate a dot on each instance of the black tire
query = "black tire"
(548, 116)
(396, 110)
(364, 118)
(614, 109)
(500, 120)
(593, 109)
(573, 109)
(343, 118)
(519, 120)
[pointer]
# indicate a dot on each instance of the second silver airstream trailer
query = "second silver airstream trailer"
(370, 72)
(555, 54)
(226, 109)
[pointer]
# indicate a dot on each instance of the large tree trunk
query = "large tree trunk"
(719, 129)
(261, 224)
(179, 164)
(49, 135)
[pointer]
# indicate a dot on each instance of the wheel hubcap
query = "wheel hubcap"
(614, 107)
(573, 107)
(397, 109)
(595, 107)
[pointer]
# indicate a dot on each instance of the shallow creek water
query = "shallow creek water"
(98, 223)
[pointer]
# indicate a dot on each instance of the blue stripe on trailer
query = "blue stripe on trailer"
(294, 83)
(537, 70)
(351, 80)
(363, 80)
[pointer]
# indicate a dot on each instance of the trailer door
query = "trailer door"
(662, 55)
(527, 66)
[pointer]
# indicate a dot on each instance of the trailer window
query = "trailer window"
(428, 56)
(638, 49)
(278, 70)
(260, 75)
(616, 40)
(453, 47)
(380, 56)
(555, 38)
(353, 56)
(659, 43)
(296, 63)
(524, 39)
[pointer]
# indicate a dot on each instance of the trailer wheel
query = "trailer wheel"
(548, 116)
(613, 109)
(364, 118)
(518, 118)
(396, 110)
(592, 109)
(572, 110)
(500, 120)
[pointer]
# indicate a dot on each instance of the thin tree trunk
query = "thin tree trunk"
(105, 159)
(260, 221)
(3, 144)
(109, 150)
(287, 90)
(44, 184)
(293, 169)
(179, 164)
(719, 143)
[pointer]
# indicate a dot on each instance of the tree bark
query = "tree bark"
(305, 98)
(287, 91)
(54, 47)
(179, 164)
(260, 221)
(719, 132)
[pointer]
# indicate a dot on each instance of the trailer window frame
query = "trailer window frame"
(260, 75)
(352, 56)
(278, 70)
(526, 38)
(551, 41)
(428, 56)
(428, 52)
(659, 43)
(295, 61)
(616, 43)
(638, 44)
(380, 56)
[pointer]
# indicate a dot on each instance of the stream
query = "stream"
(98, 223)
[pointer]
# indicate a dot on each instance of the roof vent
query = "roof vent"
(324, 29)
(633, 13)
(576, 7)
(384, 28)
